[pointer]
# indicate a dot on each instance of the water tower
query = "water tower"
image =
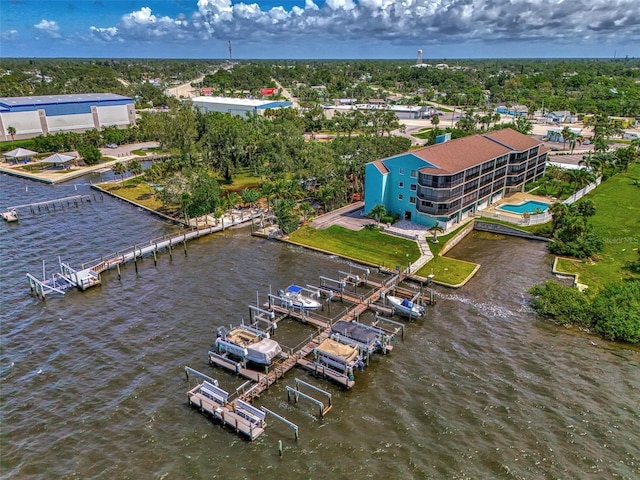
(419, 62)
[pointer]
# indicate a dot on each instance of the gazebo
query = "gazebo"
(58, 160)
(19, 153)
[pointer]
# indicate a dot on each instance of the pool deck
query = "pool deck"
(517, 198)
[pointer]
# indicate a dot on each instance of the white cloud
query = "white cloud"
(9, 35)
(107, 34)
(51, 28)
(422, 22)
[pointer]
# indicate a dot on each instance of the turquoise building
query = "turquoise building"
(444, 183)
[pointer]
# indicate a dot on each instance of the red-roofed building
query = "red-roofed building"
(267, 91)
(444, 183)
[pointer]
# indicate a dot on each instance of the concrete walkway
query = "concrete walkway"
(418, 233)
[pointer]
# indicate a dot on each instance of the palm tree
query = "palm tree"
(119, 168)
(586, 208)
(592, 163)
(434, 231)
(250, 196)
(377, 212)
(566, 132)
(558, 211)
(11, 131)
(580, 177)
(305, 208)
(435, 121)
(134, 167)
(573, 137)
(233, 199)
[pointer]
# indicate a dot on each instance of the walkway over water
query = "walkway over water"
(356, 305)
(93, 268)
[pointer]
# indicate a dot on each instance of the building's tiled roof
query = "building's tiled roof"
(381, 166)
(512, 139)
(462, 153)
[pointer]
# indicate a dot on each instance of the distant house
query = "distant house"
(394, 98)
(443, 184)
(562, 116)
(265, 92)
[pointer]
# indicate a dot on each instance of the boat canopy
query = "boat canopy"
(337, 349)
(264, 351)
(294, 289)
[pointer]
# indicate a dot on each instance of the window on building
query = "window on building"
(401, 171)
(412, 199)
(414, 173)
(401, 184)
(414, 187)
(400, 197)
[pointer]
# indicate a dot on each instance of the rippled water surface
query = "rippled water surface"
(92, 383)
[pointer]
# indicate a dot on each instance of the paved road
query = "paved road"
(348, 217)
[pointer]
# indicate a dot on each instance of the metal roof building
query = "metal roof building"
(237, 106)
(42, 114)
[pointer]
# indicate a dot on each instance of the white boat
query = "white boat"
(293, 297)
(10, 215)
(248, 344)
(404, 306)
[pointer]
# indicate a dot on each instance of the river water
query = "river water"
(92, 383)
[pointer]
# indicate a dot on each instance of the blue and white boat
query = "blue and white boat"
(404, 306)
(293, 297)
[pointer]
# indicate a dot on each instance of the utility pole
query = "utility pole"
(229, 50)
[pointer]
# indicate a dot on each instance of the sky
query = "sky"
(282, 29)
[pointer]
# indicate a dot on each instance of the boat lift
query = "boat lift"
(258, 315)
(64, 280)
(339, 285)
(296, 394)
(353, 278)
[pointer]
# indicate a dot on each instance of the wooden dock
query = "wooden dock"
(261, 381)
(92, 269)
(358, 304)
(57, 203)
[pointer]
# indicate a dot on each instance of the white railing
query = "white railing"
(582, 192)
(533, 219)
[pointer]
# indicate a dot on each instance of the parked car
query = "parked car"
(112, 145)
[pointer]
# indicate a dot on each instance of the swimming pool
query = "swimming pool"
(530, 206)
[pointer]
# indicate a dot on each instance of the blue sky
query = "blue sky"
(320, 28)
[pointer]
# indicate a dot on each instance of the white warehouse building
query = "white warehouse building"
(237, 106)
(29, 117)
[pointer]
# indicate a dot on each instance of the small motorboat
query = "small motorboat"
(293, 297)
(406, 307)
(10, 215)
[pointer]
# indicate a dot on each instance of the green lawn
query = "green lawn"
(617, 220)
(369, 246)
(241, 180)
(447, 270)
(136, 191)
